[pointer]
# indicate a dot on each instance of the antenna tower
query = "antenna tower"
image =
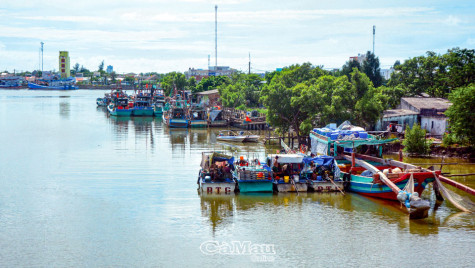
(42, 57)
(374, 33)
(216, 36)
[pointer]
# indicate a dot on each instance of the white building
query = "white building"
(386, 73)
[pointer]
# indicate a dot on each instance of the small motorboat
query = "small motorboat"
(229, 135)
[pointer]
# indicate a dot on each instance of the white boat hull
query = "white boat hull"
(217, 187)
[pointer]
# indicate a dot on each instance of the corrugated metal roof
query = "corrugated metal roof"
(209, 92)
(428, 103)
(398, 112)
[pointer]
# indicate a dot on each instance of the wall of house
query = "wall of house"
(435, 126)
(404, 120)
(406, 106)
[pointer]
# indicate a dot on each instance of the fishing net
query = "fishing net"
(409, 185)
(460, 202)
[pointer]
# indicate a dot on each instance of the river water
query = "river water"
(79, 188)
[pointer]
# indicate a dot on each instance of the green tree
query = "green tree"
(415, 141)
(232, 95)
(348, 67)
(436, 75)
(101, 66)
(76, 68)
(461, 113)
(113, 77)
(394, 95)
(371, 69)
(212, 82)
(191, 84)
(283, 97)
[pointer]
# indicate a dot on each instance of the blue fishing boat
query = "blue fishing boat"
(198, 118)
(158, 104)
(119, 107)
(59, 84)
(11, 82)
(372, 175)
(253, 177)
(142, 104)
(215, 176)
(177, 115)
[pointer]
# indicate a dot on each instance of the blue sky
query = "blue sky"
(163, 36)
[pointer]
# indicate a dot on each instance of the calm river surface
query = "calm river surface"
(79, 188)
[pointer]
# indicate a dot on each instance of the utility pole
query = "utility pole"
(42, 57)
(209, 56)
(374, 33)
(216, 37)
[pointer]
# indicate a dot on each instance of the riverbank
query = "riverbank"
(437, 150)
(105, 87)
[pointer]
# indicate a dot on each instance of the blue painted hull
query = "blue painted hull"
(34, 86)
(364, 186)
(198, 123)
(142, 112)
(255, 186)
(119, 112)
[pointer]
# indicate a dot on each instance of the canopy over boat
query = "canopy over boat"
(346, 136)
(287, 158)
(211, 157)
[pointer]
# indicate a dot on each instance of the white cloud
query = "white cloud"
(452, 21)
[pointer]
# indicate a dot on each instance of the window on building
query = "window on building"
(63, 70)
(432, 127)
(63, 60)
(63, 65)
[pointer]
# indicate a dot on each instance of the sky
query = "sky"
(164, 36)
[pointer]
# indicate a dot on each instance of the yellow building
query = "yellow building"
(64, 64)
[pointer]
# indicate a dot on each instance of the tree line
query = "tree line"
(303, 95)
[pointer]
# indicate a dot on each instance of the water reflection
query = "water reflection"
(220, 210)
(64, 108)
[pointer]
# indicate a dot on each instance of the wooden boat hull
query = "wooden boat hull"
(142, 112)
(325, 186)
(198, 123)
(217, 187)
(289, 187)
(34, 86)
(119, 112)
(178, 123)
(218, 123)
(255, 186)
(365, 186)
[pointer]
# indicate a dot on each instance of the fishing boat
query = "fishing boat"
(286, 170)
(158, 104)
(119, 107)
(142, 105)
(102, 102)
(373, 176)
(252, 176)
(176, 116)
(198, 117)
(322, 174)
(56, 84)
(11, 82)
(215, 176)
(215, 117)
